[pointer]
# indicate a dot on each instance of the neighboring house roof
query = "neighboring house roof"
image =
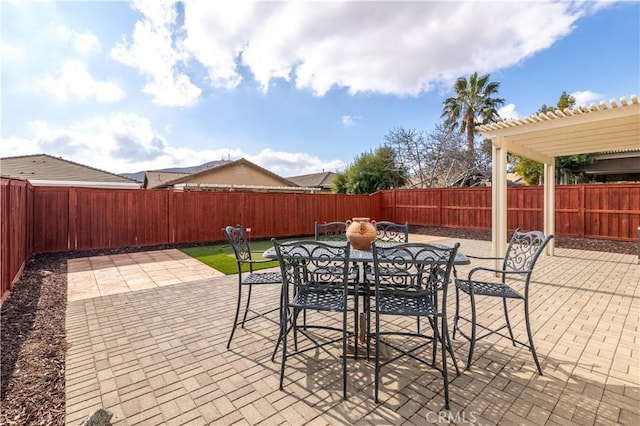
(472, 177)
(197, 179)
(47, 170)
(514, 179)
(156, 179)
(615, 163)
(315, 180)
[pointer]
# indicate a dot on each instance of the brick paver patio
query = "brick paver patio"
(157, 355)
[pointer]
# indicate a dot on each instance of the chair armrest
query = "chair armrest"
(484, 257)
(499, 271)
(256, 261)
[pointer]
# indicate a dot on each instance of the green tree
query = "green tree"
(473, 104)
(565, 101)
(567, 167)
(339, 183)
(530, 170)
(371, 172)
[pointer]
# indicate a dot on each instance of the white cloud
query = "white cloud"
(508, 112)
(586, 97)
(74, 81)
(348, 120)
(123, 143)
(83, 42)
(11, 52)
(152, 52)
(385, 47)
(293, 163)
(400, 48)
(13, 146)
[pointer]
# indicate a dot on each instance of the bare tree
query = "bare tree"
(411, 151)
(436, 159)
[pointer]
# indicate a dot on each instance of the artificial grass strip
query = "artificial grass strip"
(205, 250)
(218, 258)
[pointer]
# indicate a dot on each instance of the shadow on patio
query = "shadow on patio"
(157, 356)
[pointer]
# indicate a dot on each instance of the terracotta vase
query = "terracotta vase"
(361, 232)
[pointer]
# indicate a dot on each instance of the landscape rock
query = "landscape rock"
(99, 417)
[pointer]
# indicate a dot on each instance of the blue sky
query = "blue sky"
(296, 87)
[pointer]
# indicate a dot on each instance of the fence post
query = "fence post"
(439, 210)
(171, 217)
(581, 209)
(72, 237)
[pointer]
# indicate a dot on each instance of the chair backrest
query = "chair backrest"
(238, 240)
(413, 267)
(331, 231)
(392, 232)
(524, 249)
(313, 264)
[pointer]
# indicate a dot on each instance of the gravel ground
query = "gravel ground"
(33, 342)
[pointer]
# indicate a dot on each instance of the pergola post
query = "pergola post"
(549, 205)
(499, 199)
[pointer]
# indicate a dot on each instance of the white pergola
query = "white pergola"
(542, 137)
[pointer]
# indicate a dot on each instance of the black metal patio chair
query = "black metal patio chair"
(388, 232)
(330, 231)
(518, 263)
(315, 279)
(392, 232)
(337, 231)
(242, 251)
(419, 289)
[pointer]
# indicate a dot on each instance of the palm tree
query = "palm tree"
(472, 105)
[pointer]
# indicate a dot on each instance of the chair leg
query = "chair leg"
(445, 376)
(280, 340)
(246, 308)
(367, 309)
(235, 320)
(506, 317)
(457, 315)
(285, 331)
(294, 325)
(434, 349)
(450, 350)
(283, 323)
(344, 353)
(473, 330)
(356, 319)
(531, 346)
(377, 360)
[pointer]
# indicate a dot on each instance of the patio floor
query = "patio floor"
(156, 354)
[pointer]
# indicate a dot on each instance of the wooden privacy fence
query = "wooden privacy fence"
(610, 211)
(86, 218)
(16, 231)
(52, 219)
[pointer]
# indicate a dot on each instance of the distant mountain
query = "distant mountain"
(139, 176)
